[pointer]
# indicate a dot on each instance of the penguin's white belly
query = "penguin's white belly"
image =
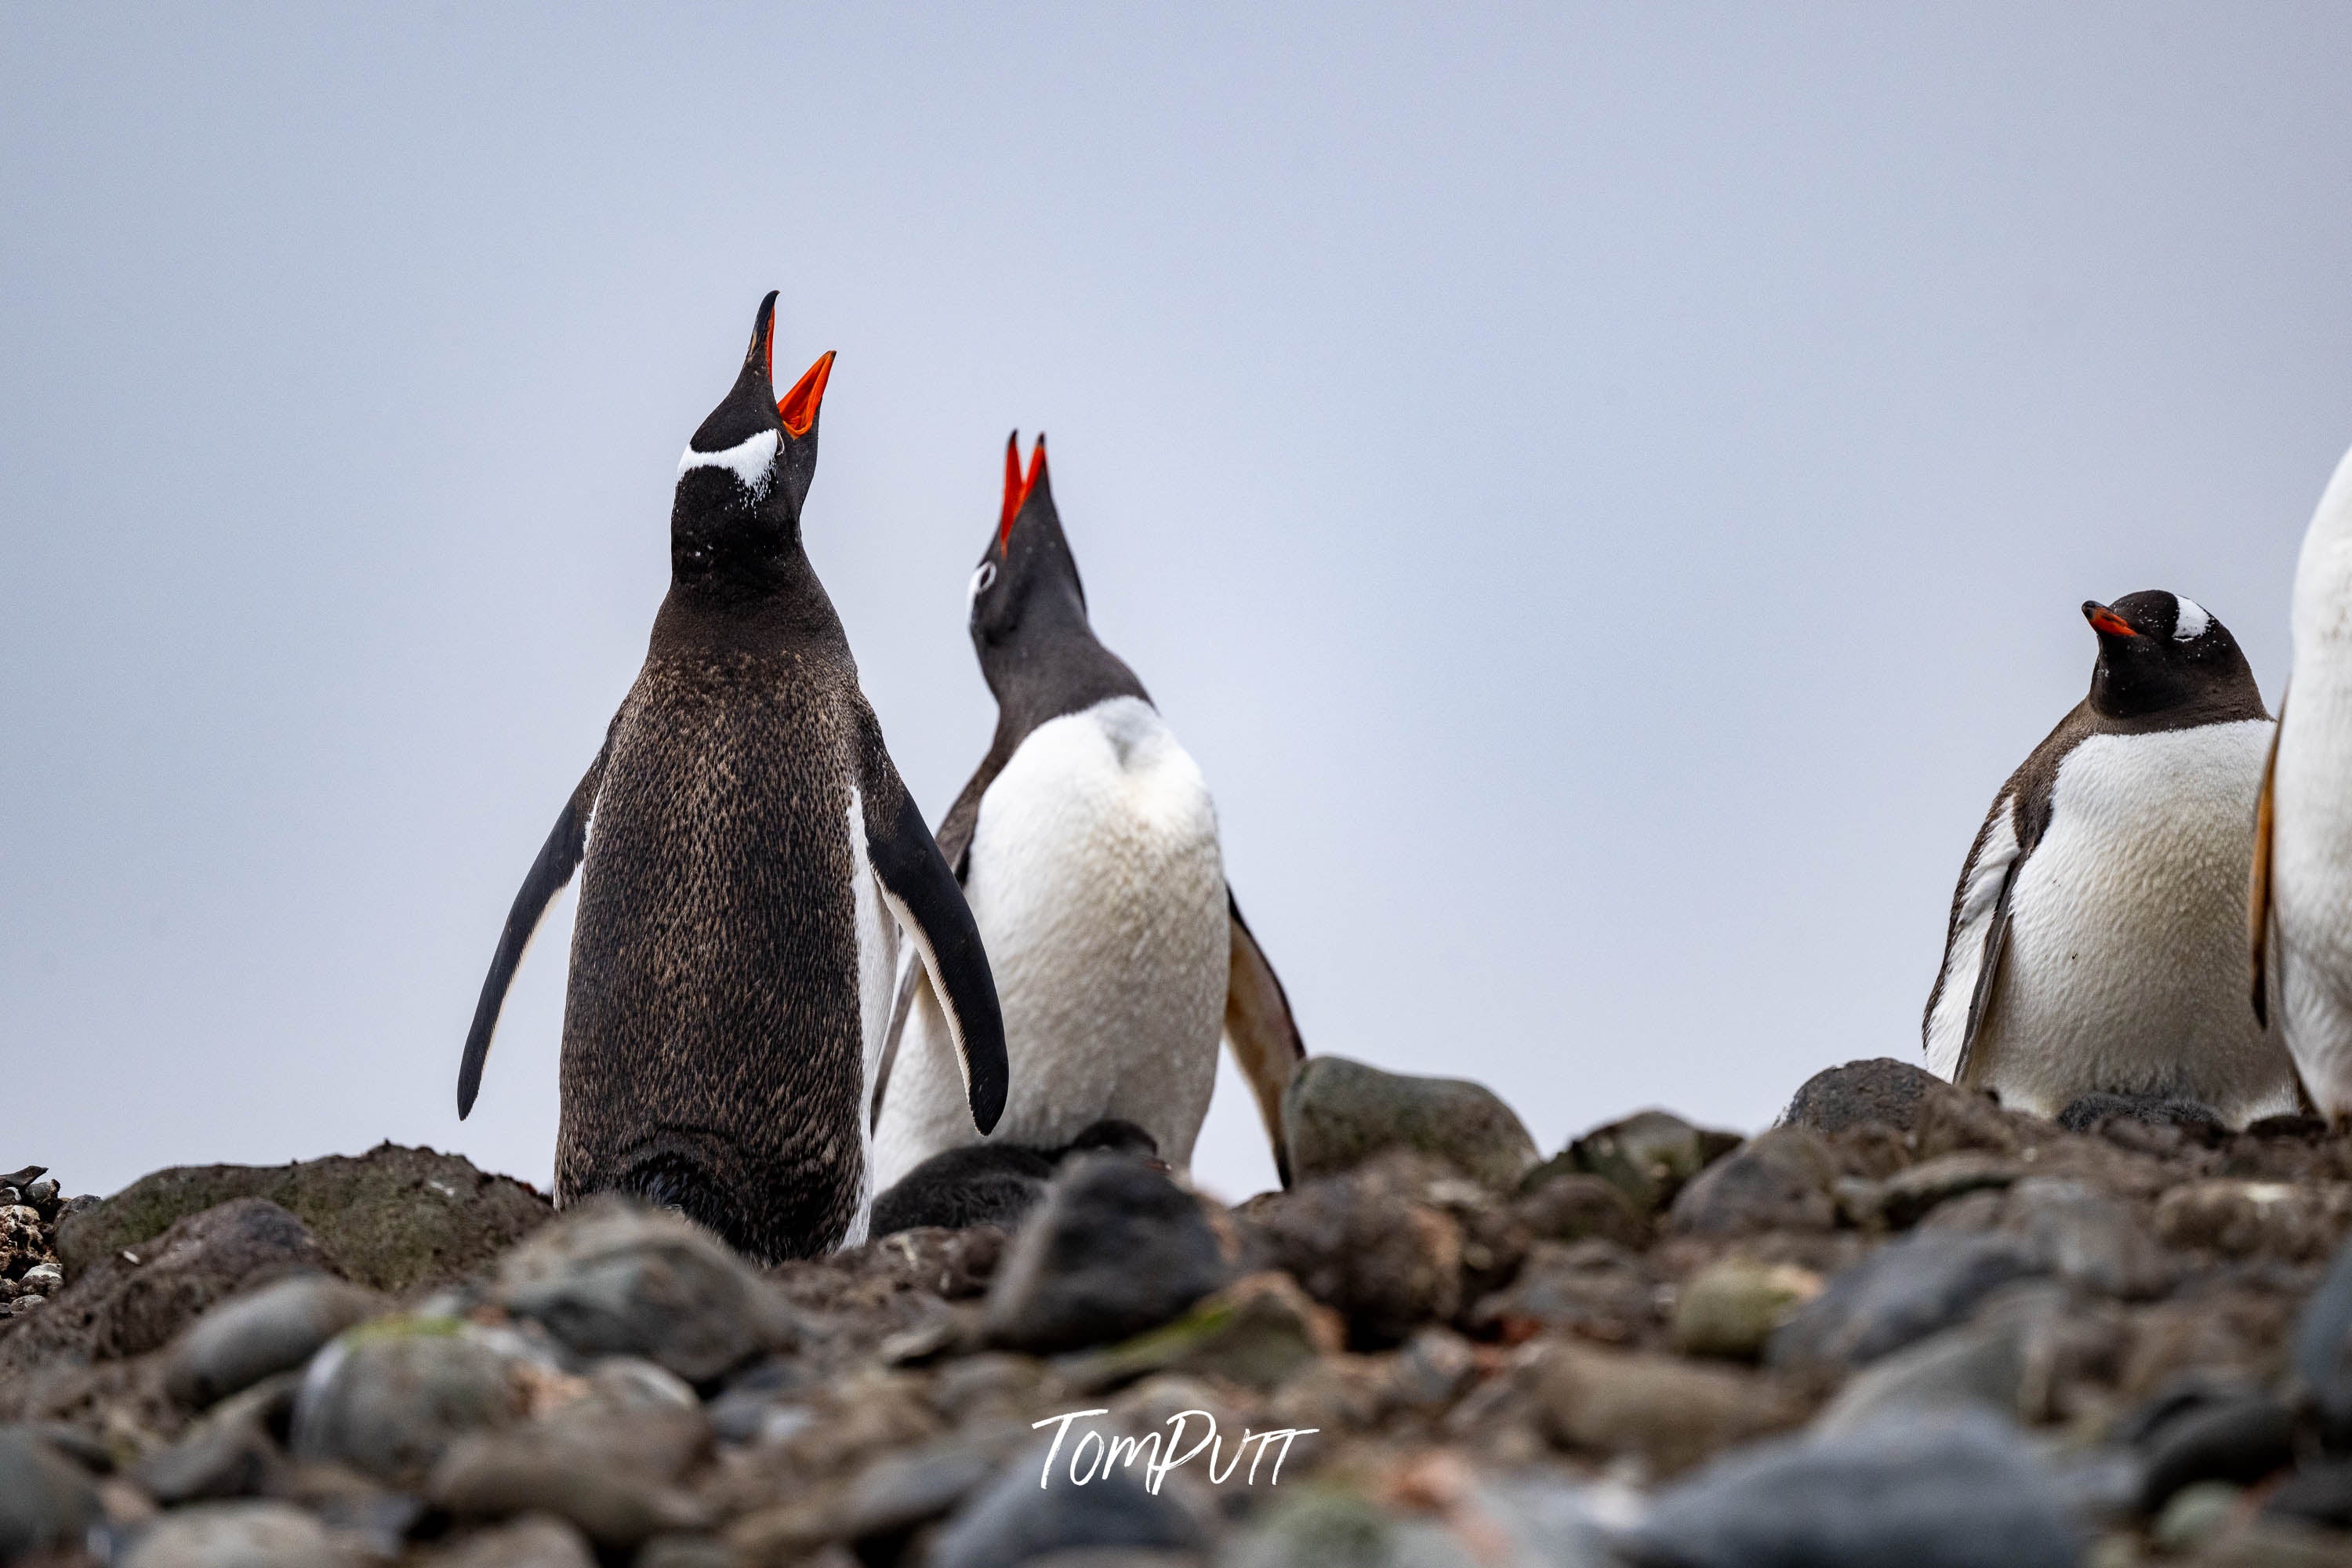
(878, 973)
(2311, 885)
(1096, 884)
(2126, 969)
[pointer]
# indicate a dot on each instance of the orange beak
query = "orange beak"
(2105, 622)
(797, 409)
(1016, 487)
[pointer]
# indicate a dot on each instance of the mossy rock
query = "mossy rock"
(395, 1218)
(1341, 1113)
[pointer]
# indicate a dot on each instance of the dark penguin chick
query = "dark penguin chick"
(1088, 845)
(995, 1183)
(749, 859)
(2097, 942)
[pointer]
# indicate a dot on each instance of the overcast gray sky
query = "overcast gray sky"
(1604, 492)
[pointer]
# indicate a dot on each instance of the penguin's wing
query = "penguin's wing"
(1260, 1031)
(2258, 887)
(558, 859)
(954, 840)
(924, 896)
(1973, 942)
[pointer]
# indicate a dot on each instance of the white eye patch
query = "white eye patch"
(981, 580)
(2193, 620)
(753, 461)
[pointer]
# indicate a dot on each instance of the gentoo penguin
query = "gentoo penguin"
(2300, 911)
(2095, 944)
(1086, 845)
(750, 857)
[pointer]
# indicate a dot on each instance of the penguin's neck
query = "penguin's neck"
(1051, 665)
(788, 610)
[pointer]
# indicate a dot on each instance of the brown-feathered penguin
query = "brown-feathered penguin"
(2097, 937)
(749, 859)
(1086, 844)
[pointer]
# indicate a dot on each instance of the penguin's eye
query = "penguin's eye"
(982, 579)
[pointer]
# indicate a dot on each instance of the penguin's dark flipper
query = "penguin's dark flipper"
(558, 859)
(924, 895)
(1260, 1031)
(2258, 887)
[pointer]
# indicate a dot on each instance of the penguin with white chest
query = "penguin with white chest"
(2096, 943)
(1086, 844)
(2300, 903)
(749, 858)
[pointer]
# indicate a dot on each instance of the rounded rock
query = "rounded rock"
(238, 1535)
(274, 1328)
(389, 1398)
(1340, 1113)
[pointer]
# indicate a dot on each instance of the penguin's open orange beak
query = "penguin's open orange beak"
(2105, 621)
(797, 409)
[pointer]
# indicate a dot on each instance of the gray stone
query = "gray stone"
(1778, 1180)
(238, 1535)
(1907, 1196)
(1116, 1248)
(1340, 1113)
(395, 1219)
(2000, 1363)
(534, 1541)
(2087, 1239)
(1881, 1089)
(2241, 1440)
(388, 1399)
(274, 1328)
(227, 1453)
(45, 1500)
(1013, 1520)
(609, 1476)
(1649, 1156)
(2323, 1348)
(1941, 1492)
(1574, 1204)
(1594, 1289)
(701, 1552)
(44, 1280)
(1903, 1292)
(1256, 1331)
(612, 1278)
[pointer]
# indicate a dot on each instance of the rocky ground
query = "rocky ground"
(1903, 1327)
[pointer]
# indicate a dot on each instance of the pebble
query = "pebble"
(45, 1500)
(1367, 1245)
(610, 1278)
(389, 1397)
(1671, 1413)
(2087, 1237)
(2000, 1364)
(2240, 1439)
(2323, 1336)
(1881, 1089)
(1014, 1520)
(42, 1280)
(1777, 1180)
(2195, 1513)
(1903, 1292)
(1572, 1206)
(534, 1541)
(1959, 1492)
(238, 1535)
(227, 1453)
(1910, 1195)
(1255, 1332)
(1339, 1113)
(611, 1476)
(1649, 1156)
(2318, 1494)
(1116, 1248)
(274, 1328)
(1730, 1308)
(1595, 1289)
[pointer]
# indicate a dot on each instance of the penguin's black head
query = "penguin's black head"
(1028, 579)
(737, 512)
(2159, 653)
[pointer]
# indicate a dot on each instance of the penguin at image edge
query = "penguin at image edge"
(2097, 940)
(2299, 905)
(747, 858)
(1087, 843)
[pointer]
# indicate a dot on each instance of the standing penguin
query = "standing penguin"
(1086, 844)
(748, 845)
(2095, 945)
(2300, 911)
